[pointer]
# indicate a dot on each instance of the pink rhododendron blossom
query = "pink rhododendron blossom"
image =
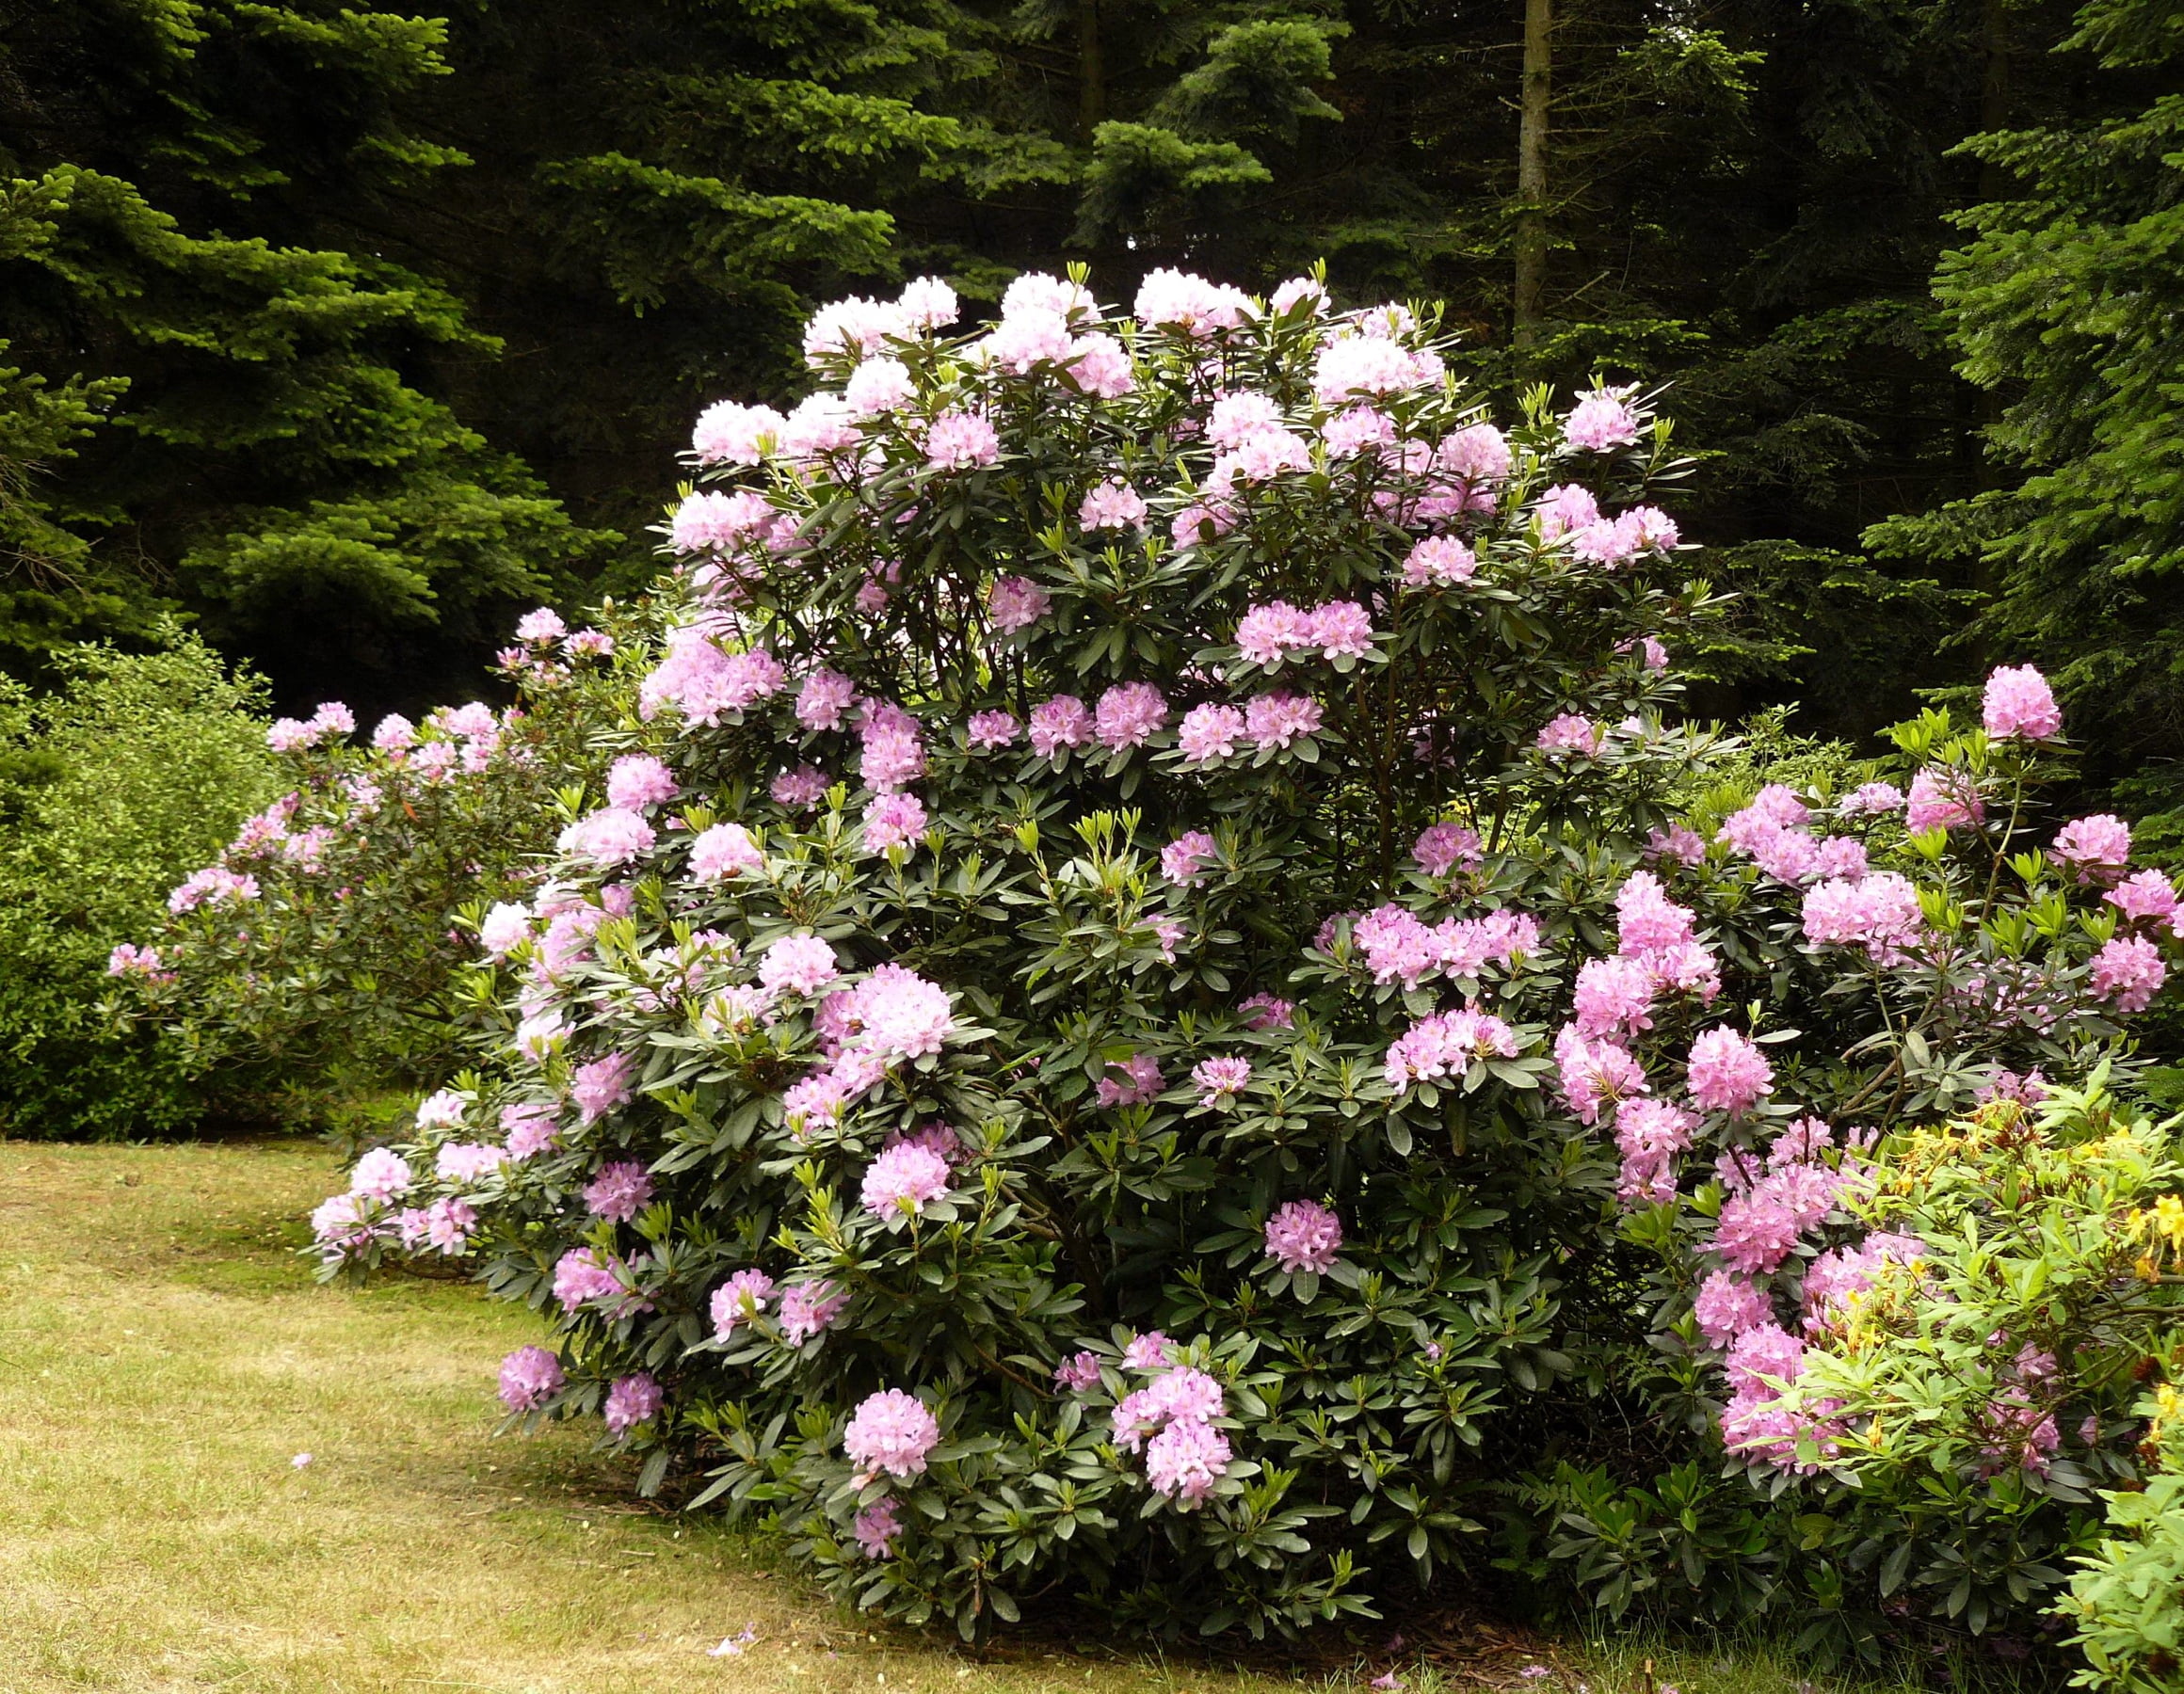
(927, 303)
(127, 959)
(1478, 453)
(2020, 705)
(1295, 291)
(1061, 721)
(724, 850)
(1304, 1236)
(1208, 732)
(989, 732)
(742, 1298)
(1151, 1351)
(1441, 847)
(1880, 912)
(877, 1528)
(1278, 720)
(530, 1377)
(1565, 508)
(1650, 1134)
(581, 1275)
(504, 929)
(1872, 799)
(631, 1400)
(1356, 429)
(380, 1175)
(1180, 1394)
(824, 700)
(530, 1129)
(894, 820)
(606, 839)
(1185, 1459)
(1728, 1305)
(1447, 1045)
(1265, 633)
(2098, 849)
(904, 1181)
(1268, 1012)
(2149, 896)
(214, 885)
(1603, 420)
(1439, 561)
(798, 788)
(1942, 800)
(876, 387)
(1220, 1079)
(1614, 997)
(2129, 971)
(891, 754)
(638, 780)
(1236, 418)
(467, 1161)
(1593, 1073)
(444, 1226)
(601, 1086)
(1112, 504)
(1183, 860)
(1836, 1277)
(890, 1431)
(799, 964)
(729, 433)
(855, 328)
(619, 1192)
(1187, 305)
(1571, 733)
(808, 1308)
(1727, 1072)
(1369, 365)
(1340, 629)
(1078, 1373)
(1128, 715)
(1129, 1083)
(1015, 602)
(960, 440)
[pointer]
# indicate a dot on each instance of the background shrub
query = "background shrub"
(112, 785)
(313, 961)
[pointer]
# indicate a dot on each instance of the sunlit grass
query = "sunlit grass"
(164, 1357)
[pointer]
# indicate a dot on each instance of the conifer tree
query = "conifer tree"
(2067, 307)
(216, 397)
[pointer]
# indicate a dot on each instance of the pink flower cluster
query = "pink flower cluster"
(904, 1181)
(1880, 912)
(1773, 832)
(1650, 1134)
(1439, 561)
(1400, 947)
(530, 1377)
(742, 1298)
(705, 684)
(2019, 706)
(1304, 1236)
(893, 1432)
(1268, 633)
(1445, 1045)
(1130, 1081)
(1727, 1072)
(1441, 847)
(2096, 849)
(1220, 1079)
(1186, 1455)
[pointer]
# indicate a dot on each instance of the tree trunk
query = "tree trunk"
(1091, 71)
(1532, 172)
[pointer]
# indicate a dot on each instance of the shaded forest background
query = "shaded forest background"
(347, 333)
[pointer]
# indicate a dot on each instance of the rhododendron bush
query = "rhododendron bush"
(322, 951)
(1131, 1017)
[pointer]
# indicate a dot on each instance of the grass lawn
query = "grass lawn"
(165, 1359)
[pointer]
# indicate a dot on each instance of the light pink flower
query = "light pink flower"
(904, 1181)
(1304, 1236)
(1208, 732)
(2020, 705)
(890, 1431)
(633, 1401)
(1061, 721)
(723, 851)
(1129, 714)
(1727, 1072)
(2128, 970)
(1220, 1079)
(530, 1377)
(1601, 421)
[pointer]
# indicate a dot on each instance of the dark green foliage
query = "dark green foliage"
(112, 789)
(2068, 309)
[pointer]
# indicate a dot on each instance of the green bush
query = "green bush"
(136, 768)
